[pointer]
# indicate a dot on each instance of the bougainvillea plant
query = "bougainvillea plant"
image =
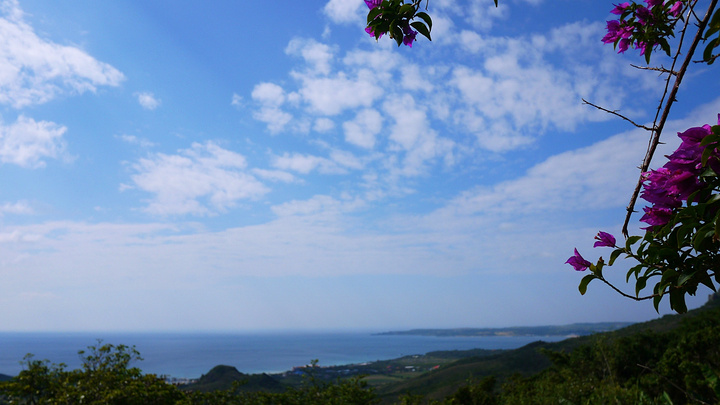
(680, 249)
(396, 18)
(681, 246)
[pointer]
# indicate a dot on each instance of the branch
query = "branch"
(632, 297)
(709, 61)
(655, 139)
(614, 112)
(660, 69)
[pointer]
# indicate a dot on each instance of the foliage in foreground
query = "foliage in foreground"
(107, 378)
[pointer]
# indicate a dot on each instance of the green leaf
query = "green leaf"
(631, 241)
(664, 45)
(677, 301)
(712, 138)
(584, 283)
(641, 283)
(396, 32)
(425, 17)
(614, 256)
(707, 282)
(406, 11)
(668, 276)
(635, 269)
(706, 231)
(421, 28)
(373, 13)
(707, 54)
(684, 279)
(656, 302)
(709, 149)
(714, 25)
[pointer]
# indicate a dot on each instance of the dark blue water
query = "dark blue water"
(191, 355)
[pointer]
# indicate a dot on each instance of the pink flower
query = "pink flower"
(676, 9)
(373, 3)
(604, 239)
(619, 8)
(578, 262)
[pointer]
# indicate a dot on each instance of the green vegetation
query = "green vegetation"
(671, 360)
(224, 377)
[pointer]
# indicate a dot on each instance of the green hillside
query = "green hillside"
(225, 377)
(644, 342)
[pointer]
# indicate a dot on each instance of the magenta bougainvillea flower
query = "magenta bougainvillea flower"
(373, 3)
(578, 262)
(653, 3)
(667, 187)
(656, 217)
(409, 35)
(676, 9)
(619, 8)
(643, 15)
(604, 239)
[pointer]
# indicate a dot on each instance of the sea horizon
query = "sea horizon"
(192, 354)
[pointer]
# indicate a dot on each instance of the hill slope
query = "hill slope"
(223, 377)
(528, 360)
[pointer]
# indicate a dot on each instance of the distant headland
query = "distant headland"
(575, 329)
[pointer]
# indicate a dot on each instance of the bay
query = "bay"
(189, 355)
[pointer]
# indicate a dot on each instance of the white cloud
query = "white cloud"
(34, 70)
(202, 180)
(274, 175)
(333, 95)
(271, 97)
(237, 100)
(323, 124)
(27, 142)
(319, 203)
(600, 176)
(317, 55)
(344, 11)
(305, 164)
(17, 208)
(482, 15)
(362, 130)
(347, 159)
(412, 134)
(134, 140)
(269, 94)
(148, 101)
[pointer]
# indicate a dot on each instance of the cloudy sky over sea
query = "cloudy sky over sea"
(238, 165)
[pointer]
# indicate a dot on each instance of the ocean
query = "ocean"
(189, 355)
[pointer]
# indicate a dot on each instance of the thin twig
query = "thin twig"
(660, 69)
(666, 111)
(711, 60)
(614, 112)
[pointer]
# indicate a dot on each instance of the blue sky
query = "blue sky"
(229, 165)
